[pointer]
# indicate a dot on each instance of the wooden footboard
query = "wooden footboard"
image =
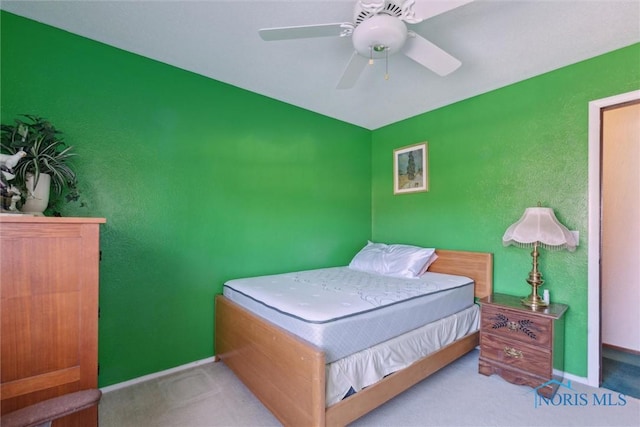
(287, 373)
(357, 405)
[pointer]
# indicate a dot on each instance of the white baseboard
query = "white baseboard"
(159, 374)
(577, 379)
(567, 376)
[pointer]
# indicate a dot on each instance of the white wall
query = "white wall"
(621, 227)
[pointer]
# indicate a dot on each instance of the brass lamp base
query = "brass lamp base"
(535, 279)
(534, 301)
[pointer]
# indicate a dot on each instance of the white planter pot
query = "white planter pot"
(37, 198)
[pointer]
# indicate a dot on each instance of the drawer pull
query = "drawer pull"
(512, 352)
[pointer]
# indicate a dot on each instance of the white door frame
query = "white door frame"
(595, 206)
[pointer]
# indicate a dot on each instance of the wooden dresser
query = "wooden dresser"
(522, 345)
(49, 311)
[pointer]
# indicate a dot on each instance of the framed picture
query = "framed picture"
(410, 172)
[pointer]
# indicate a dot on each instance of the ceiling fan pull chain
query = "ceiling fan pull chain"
(371, 55)
(386, 64)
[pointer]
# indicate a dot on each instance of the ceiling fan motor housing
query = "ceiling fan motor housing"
(379, 35)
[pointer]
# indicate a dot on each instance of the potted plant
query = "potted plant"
(45, 158)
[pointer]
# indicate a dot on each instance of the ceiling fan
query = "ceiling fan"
(378, 30)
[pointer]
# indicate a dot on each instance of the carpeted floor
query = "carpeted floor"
(210, 395)
(621, 372)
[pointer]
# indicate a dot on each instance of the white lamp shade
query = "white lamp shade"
(539, 225)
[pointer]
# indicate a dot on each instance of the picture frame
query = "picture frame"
(410, 169)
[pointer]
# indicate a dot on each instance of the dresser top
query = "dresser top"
(25, 219)
(554, 310)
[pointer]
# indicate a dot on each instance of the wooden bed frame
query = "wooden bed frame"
(287, 374)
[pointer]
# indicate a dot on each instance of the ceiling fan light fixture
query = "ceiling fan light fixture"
(379, 29)
(381, 34)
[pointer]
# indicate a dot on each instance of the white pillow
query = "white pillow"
(428, 264)
(392, 260)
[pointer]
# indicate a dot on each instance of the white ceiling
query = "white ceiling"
(498, 41)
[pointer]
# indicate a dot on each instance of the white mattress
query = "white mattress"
(343, 311)
(366, 367)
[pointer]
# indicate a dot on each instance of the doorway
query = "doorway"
(620, 249)
(595, 250)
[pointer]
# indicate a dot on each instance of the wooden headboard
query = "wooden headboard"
(475, 265)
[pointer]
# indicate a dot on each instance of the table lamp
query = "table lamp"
(538, 227)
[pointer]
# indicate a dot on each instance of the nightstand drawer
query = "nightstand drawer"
(515, 354)
(517, 325)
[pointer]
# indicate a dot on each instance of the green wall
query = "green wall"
(492, 156)
(199, 181)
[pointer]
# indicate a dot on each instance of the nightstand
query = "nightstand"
(522, 345)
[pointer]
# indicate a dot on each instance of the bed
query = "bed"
(289, 374)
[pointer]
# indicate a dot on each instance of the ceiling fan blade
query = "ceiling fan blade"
(429, 55)
(306, 31)
(352, 72)
(424, 9)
